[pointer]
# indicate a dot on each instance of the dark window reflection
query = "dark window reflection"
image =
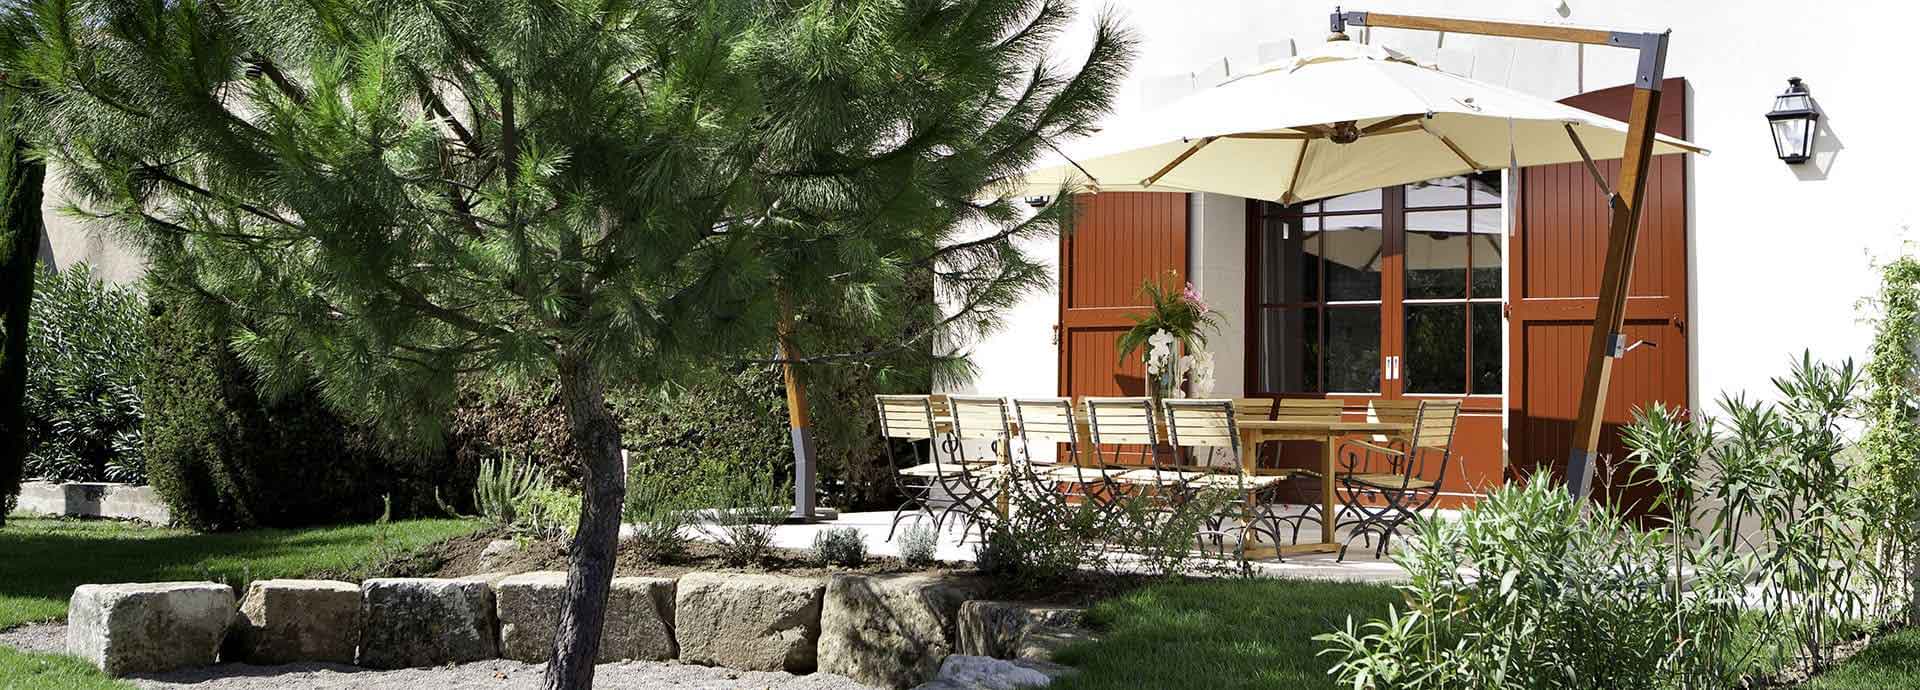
(1436, 348)
(1353, 349)
(1437, 246)
(1488, 353)
(1350, 252)
(1290, 339)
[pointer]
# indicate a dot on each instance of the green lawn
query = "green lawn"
(41, 560)
(51, 672)
(1892, 662)
(1224, 634)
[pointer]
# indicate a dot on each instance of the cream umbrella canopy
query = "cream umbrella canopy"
(1276, 133)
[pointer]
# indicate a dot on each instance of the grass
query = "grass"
(42, 560)
(1220, 634)
(51, 672)
(1892, 662)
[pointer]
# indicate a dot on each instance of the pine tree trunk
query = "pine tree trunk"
(597, 438)
(21, 229)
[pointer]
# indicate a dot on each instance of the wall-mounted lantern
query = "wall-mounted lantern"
(1793, 117)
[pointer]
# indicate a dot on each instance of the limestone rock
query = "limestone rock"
(638, 624)
(148, 627)
(287, 621)
(748, 622)
(967, 672)
(416, 622)
(1013, 630)
(496, 551)
(891, 630)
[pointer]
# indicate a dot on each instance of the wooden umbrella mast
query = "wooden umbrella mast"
(1624, 202)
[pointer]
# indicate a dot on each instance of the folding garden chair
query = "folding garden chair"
(1070, 477)
(1205, 429)
(978, 482)
(908, 420)
(1116, 424)
(1387, 484)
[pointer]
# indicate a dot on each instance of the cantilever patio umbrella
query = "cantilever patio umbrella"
(1346, 118)
(1351, 117)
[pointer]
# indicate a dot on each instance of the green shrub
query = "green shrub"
(659, 521)
(83, 407)
(1762, 556)
(842, 546)
(742, 524)
(919, 545)
(224, 458)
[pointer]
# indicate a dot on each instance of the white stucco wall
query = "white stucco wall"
(1781, 255)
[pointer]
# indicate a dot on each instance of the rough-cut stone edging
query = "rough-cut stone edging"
(94, 499)
(891, 630)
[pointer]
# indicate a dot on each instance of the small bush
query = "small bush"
(842, 546)
(919, 545)
(86, 342)
(519, 496)
(659, 521)
(743, 527)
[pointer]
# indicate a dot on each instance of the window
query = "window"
(1423, 259)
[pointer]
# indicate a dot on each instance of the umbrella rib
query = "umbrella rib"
(1300, 161)
(1390, 123)
(1184, 155)
(1592, 169)
(1464, 158)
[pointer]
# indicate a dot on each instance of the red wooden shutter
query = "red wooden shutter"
(1119, 240)
(1558, 249)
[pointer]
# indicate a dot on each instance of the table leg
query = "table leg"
(1326, 489)
(1006, 477)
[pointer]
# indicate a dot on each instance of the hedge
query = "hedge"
(223, 458)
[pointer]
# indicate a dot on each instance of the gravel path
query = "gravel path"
(498, 674)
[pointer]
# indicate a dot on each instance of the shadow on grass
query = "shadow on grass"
(1220, 634)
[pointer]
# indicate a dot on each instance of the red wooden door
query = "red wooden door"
(1559, 246)
(1118, 241)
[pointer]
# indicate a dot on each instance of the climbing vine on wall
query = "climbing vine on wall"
(1890, 450)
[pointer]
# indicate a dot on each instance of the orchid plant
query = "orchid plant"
(1180, 319)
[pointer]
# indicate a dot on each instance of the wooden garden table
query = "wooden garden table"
(1253, 432)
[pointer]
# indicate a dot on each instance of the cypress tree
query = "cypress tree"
(387, 194)
(21, 228)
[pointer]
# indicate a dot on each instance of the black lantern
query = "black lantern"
(1793, 117)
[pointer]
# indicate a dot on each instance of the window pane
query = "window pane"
(1437, 246)
(1290, 344)
(1484, 188)
(1436, 348)
(1446, 191)
(1358, 201)
(1488, 353)
(1350, 256)
(1290, 271)
(1353, 349)
(1487, 250)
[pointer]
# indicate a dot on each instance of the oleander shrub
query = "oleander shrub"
(842, 546)
(222, 456)
(86, 343)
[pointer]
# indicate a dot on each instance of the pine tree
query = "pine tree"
(387, 194)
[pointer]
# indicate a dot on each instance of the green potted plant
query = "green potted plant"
(1177, 320)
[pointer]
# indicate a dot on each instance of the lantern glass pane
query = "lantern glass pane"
(1792, 101)
(1790, 138)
